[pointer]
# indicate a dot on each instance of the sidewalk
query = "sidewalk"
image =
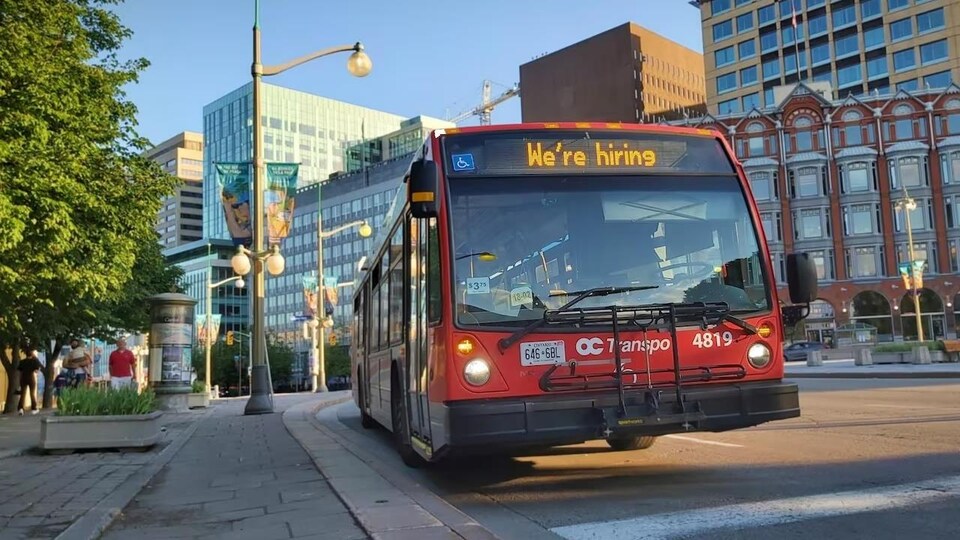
(847, 369)
(239, 477)
(41, 496)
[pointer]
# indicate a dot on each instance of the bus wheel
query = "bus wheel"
(409, 456)
(366, 420)
(631, 443)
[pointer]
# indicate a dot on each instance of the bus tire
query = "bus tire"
(398, 414)
(366, 420)
(641, 442)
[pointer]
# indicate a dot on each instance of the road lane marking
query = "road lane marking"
(765, 513)
(704, 441)
(891, 406)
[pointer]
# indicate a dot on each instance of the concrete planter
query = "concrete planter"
(83, 432)
(892, 357)
(938, 356)
(201, 399)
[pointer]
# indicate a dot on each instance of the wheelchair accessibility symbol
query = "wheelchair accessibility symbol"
(462, 162)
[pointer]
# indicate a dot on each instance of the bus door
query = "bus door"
(417, 347)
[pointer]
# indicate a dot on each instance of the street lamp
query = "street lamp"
(365, 230)
(239, 283)
(907, 205)
(358, 64)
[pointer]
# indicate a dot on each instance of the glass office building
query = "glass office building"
(297, 128)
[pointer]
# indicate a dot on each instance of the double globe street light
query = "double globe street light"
(245, 261)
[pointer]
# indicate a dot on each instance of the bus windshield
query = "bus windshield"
(522, 244)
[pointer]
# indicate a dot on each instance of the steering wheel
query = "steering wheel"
(705, 269)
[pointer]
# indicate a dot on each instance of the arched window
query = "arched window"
(870, 307)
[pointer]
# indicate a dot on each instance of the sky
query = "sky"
(429, 56)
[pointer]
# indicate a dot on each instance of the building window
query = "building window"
(908, 172)
(755, 144)
(869, 9)
(745, 22)
(771, 69)
(763, 185)
(818, 25)
(748, 76)
(823, 260)
(768, 98)
(806, 182)
(847, 46)
(938, 80)
(719, 6)
(877, 68)
(859, 177)
(905, 129)
(726, 82)
(739, 3)
(852, 135)
(844, 17)
(930, 21)
(864, 262)
(950, 166)
(860, 219)
(768, 42)
(731, 106)
(724, 56)
(767, 14)
(904, 60)
(751, 101)
(849, 75)
(790, 35)
(748, 49)
(790, 62)
(772, 226)
(933, 52)
(820, 54)
(951, 207)
(804, 141)
(954, 256)
(921, 217)
(901, 29)
(893, 5)
(722, 30)
(808, 224)
(908, 86)
(922, 251)
(874, 38)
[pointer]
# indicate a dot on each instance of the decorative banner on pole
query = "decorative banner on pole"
(234, 181)
(330, 296)
(918, 274)
(215, 327)
(310, 295)
(279, 198)
(905, 274)
(202, 329)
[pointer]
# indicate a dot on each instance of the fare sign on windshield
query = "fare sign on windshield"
(559, 152)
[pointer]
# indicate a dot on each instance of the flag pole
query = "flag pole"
(796, 39)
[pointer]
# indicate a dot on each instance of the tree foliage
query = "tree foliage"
(77, 198)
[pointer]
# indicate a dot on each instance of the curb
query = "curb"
(14, 452)
(424, 514)
(96, 520)
(877, 375)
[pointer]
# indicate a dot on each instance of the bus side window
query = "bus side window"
(434, 304)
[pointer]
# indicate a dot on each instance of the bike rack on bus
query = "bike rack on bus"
(651, 317)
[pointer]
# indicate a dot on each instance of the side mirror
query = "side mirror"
(422, 189)
(801, 278)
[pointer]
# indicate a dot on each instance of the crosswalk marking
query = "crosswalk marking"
(765, 513)
(703, 441)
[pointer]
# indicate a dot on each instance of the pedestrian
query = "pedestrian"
(77, 363)
(28, 368)
(123, 366)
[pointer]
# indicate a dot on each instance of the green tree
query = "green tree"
(337, 359)
(281, 358)
(77, 199)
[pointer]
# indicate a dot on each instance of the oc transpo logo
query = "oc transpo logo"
(594, 346)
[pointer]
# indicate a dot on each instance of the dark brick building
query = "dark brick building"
(828, 175)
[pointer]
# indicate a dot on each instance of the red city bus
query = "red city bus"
(550, 284)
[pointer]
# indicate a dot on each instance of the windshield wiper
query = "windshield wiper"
(737, 321)
(506, 342)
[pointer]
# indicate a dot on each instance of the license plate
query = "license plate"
(539, 353)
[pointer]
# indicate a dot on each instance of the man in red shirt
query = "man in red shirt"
(122, 366)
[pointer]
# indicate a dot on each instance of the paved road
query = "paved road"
(868, 458)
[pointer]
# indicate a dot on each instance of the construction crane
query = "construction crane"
(487, 105)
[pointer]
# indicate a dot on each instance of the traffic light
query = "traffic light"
(229, 337)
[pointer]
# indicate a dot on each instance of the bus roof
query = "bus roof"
(537, 126)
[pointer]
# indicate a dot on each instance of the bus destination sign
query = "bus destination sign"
(538, 152)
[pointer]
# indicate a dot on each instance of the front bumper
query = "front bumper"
(570, 418)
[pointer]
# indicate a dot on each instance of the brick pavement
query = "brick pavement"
(41, 495)
(238, 477)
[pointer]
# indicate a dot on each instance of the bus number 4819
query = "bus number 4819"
(706, 340)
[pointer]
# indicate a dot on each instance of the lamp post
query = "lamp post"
(907, 205)
(320, 375)
(358, 64)
(209, 327)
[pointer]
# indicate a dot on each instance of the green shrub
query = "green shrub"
(198, 387)
(908, 346)
(89, 401)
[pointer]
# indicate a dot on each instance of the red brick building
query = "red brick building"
(828, 175)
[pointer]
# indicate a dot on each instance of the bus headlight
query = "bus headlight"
(758, 355)
(477, 372)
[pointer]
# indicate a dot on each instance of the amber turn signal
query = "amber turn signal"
(765, 330)
(465, 346)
